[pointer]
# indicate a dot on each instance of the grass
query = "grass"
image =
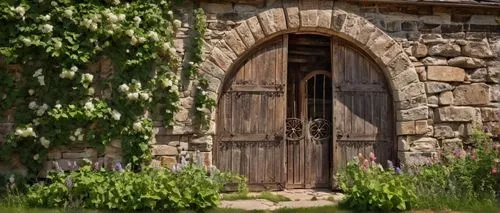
(449, 202)
(264, 195)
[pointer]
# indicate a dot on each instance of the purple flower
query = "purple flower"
(390, 165)
(176, 168)
(57, 166)
(398, 171)
(97, 167)
(69, 182)
(118, 167)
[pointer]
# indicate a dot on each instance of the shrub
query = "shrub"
(190, 187)
(369, 187)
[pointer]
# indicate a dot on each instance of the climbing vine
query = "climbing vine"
(60, 99)
(202, 102)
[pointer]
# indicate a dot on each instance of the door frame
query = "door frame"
(303, 117)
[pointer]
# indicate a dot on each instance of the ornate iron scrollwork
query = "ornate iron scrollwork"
(319, 129)
(294, 129)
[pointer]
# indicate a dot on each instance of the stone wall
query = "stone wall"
(446, 60)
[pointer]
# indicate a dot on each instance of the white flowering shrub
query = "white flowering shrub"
(58, 100)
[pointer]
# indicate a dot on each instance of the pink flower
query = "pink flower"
(372, 156)
(493, 170)
(366, 164)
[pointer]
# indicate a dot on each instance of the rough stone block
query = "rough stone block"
(254, 26)
(477, 49)
(414, 114)
(478, 75)
(419, 50)
(494, 73)
(424, 144)
(409, 91)
(445, 73)
(273, 20)
(351, 25)
(446, 50)
(405, 128)
(450, 145)
(220, 59)
(495, 93)
(421, 127)
(490, 114)
(234, 42)
(338, 19)
(417, 158)
(168, 161)
(433, 87)
(455, 114)
(443, 131)
(434, 61)
(466, 62)
(446, 98)
(86, 153)
(245, 34)
(474, 94)
(164, 150)
(292, 13)
(412, 102)
(407, 77)
(325, 14)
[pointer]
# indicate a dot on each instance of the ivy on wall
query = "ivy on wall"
(202, 102)
(60, 100)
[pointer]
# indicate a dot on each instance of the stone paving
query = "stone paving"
(300, 198)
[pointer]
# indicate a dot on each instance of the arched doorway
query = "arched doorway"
(298, 109)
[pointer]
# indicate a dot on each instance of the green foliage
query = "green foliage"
(191, 187)
(373, 188)
(264, 195)
(200, 28)
(203, 103)
(467, 181)
(60, 98)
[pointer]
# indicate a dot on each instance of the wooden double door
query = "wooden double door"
(284, 129)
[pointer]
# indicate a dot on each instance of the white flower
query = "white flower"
(20, 10)
(26, 41)
(172, 51)
(36, 157)
(129, 32)
(41, 80)
(19, 132)
(37, 73)
(137, 20)
(78, 131)
(133, 96)
(86, 23)
(72, 138)
(44, 107)
(74, 68)
(133, 41)
(40, 112)
(53, 3)
(45, 143)
(153, 35)
(123, 88)
(121, 17)
(57, 44)
(116, 2)
(80, 137)
(68, 13)
(32, 105)
(36, 121)
(170, 13)
(90, 91)
(45, 17)
(46, 28)
(144, 96)
(87, 77)
(177, 23)
(167, 83)
(166, 46)
(116, 115)
(12, 179)
(137, 126)
(142, 39)
(89, 106)
(93, 27)
(58, 106)
(31, 91)
(112, 17)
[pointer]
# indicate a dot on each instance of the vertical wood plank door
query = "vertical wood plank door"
(251, 117)
(363, 115)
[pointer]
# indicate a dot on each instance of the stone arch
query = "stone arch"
(409, 96)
